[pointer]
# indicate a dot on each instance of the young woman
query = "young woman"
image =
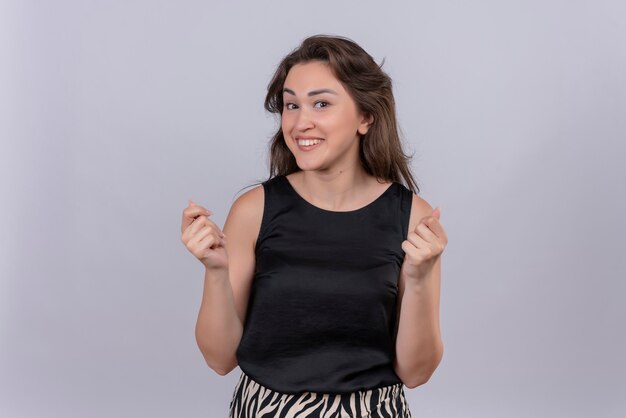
(324, 286)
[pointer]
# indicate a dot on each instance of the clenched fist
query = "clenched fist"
(424, 246)
(203, 238)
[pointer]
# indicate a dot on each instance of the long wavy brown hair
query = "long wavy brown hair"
(381, 152)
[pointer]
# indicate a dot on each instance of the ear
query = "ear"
(366, 122)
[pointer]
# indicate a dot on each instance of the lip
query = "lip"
(310, 148)
(308, 137)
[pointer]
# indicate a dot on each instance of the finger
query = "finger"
(205, 222)
(416, 240)
(201, 234)
(424, 231)
(408, 247)
(210, 228)
(195, 226)
(436, 244)
(192, 211)
(211, 241)
(191, 214)
(412, 251)
(208, 237)
(435, 226)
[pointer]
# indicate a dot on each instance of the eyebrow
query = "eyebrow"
(312, 92)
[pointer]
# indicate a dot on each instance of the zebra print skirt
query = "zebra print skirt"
(253, 400)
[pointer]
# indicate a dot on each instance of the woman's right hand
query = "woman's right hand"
(203, 238)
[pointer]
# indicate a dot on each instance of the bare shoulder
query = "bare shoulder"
(420, 209)
(247, 211)
(251, 201)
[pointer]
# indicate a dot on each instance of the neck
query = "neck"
(339, 189)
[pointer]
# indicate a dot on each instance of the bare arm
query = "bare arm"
(218, 328)
(419, 347)
(221, 317)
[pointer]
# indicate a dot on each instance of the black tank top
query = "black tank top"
(322, 309)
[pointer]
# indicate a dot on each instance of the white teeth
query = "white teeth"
(306, 142)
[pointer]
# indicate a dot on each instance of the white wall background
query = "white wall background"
(114, 113)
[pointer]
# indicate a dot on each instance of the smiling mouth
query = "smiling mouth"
(308, 141)
(308, 144)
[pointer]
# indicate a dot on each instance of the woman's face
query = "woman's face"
(317, 107)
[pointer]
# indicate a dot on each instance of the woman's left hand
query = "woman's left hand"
(423, 247)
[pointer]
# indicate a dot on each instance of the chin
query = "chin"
(306, 167)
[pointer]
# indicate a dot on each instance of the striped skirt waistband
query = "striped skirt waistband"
(253, 400)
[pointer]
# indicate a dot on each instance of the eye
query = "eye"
(321, 102)
(287, 106)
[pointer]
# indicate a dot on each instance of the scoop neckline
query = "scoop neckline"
(293, 190)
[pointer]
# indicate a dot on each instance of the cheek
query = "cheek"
(286, 124)
(337, 127)
(340, 121)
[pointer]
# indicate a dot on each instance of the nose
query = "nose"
(304, 120)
